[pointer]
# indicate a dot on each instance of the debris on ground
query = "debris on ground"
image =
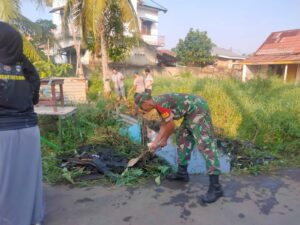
(98, 162)
(96, 159)
(244, 154)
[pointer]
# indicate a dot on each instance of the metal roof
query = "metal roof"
(153, 4)
(166, 52)
(226, 53)
(282, 47)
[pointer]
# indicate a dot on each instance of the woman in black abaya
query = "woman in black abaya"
(21, 190)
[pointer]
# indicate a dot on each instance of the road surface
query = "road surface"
(248, 200)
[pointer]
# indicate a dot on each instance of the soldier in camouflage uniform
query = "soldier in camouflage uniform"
(196, 128)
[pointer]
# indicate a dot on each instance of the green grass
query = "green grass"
(265, 112)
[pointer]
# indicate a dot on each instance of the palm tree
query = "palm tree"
(72, 23)
(39, 33)
(10, 12)
(89, 15)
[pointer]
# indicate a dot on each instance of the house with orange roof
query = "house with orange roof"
(278, 56)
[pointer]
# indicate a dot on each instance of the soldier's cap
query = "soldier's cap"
(141, 97)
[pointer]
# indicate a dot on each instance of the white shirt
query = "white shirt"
(138, 82)
(118, 80)
(149, 81)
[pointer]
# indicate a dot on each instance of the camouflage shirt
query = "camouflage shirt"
(176, 106)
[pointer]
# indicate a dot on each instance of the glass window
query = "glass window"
(146, 27)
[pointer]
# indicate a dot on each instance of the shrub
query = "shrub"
(49, 69)
(95, 86)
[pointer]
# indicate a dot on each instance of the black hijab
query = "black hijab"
(11, 50)
(11, 45)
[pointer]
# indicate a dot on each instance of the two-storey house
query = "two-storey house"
(147, 12)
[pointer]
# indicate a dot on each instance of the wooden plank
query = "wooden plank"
(61, 111)
(75, 89)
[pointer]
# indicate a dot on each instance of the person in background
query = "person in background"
(138, 84)
(138, 87)
(148, 81)
(195, 129)
(118, 79)
(21, 187)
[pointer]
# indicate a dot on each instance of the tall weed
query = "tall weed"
(265, 111)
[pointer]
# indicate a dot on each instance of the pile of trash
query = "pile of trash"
(96, 162)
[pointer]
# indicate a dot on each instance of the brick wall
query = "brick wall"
(208, 71)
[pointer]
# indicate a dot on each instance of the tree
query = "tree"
(118, 42)
(93, 17)
(10, 12)
(42, 36)
(72, 23)
(46, 27)
(195, 49)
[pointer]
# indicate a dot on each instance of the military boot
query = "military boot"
(214, 191)
(181, 175)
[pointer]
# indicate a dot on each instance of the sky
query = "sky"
(242, 25)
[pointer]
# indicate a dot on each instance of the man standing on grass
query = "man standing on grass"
(138, 87)
(118, 79)
(196, 128)
(148, 81)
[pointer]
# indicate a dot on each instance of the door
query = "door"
(291, 73)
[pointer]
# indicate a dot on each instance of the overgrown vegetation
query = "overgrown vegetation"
(260, 121)
(96, 125)
(263, 111)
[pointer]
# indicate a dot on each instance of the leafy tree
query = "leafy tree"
(93, 16)
(45, 37)
(195, 49)
(119, 44)
(45, 31)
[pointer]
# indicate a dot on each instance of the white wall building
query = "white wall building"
(147, 12)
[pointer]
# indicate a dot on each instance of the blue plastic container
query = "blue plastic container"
(169, 153)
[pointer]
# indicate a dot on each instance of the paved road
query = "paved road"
(248, 200)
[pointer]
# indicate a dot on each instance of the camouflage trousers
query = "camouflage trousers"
(197, 129)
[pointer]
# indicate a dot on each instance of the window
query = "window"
(146, 27)
(61, 13)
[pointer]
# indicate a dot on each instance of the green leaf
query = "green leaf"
(163, 169)
(67, 175)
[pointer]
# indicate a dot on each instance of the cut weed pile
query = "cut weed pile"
(257, 123)
(95, 138)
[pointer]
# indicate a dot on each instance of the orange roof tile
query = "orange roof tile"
(282, 47)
